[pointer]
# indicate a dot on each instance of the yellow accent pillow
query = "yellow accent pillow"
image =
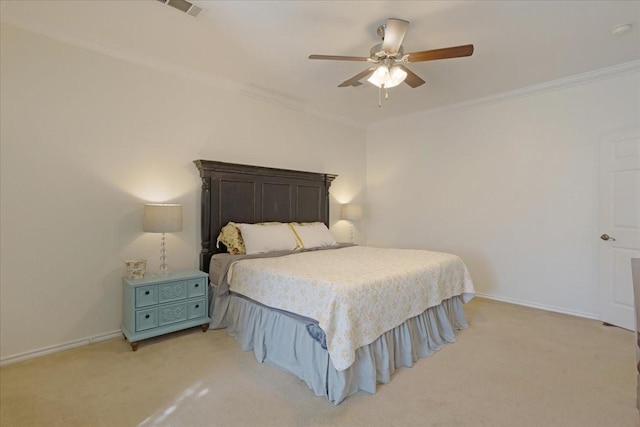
(231, 237)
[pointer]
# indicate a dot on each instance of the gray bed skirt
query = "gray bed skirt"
(284, 341)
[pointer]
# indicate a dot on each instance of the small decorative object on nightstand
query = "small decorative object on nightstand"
(136, 268)
(155, 306)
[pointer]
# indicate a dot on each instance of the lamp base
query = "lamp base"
(164, 268)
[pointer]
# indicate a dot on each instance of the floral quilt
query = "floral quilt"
(355, 293)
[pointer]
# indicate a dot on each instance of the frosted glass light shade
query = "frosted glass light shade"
(396, 76)
(162, 218)
(383, 76)
(379, 76)
(351, 211)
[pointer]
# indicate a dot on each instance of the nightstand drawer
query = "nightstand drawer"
(172, 313)
(146, 319)
(196, 287)
(172, 291)
(146, 295)
(197, 308)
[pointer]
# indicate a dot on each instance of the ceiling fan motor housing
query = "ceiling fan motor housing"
(377, 53)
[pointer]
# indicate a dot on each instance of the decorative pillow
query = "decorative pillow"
(230, 236)
(260, 238)
(314, 235)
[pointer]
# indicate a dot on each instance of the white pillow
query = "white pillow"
(314, 235)
(267, 238)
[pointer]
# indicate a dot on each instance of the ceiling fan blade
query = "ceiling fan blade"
(340, 58)
(445, 53)
(355, 80)
(394, 33)
(412, 79)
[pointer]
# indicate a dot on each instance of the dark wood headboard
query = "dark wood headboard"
(250, 194)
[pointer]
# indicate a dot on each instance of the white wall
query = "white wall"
(510, 186)
(86, 140)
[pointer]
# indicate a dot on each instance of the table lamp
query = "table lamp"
(351, 212)
(162, 218)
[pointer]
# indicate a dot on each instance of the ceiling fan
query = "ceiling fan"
(388, 58)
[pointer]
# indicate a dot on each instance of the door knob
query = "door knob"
(607, 237)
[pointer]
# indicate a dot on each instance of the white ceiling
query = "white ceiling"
(261, 47)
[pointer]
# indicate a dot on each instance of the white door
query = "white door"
(619, 238)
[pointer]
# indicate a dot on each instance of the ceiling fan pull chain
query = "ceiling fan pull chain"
(379, 97)
(386, 93)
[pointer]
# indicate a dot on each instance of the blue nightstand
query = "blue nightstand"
(158, 305)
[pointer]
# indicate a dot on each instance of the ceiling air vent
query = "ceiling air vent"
(184, 6)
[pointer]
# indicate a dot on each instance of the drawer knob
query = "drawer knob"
(197, 305)
(197, 284)
(146, 292)
(146, 317)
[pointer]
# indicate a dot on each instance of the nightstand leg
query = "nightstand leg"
(134, 345)
(204, 327)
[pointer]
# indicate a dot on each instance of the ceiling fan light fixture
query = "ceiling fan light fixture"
(387, 77)
(380, 76)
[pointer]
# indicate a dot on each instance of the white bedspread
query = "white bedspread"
(355, 293)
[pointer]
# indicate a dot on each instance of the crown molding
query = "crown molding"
(30, 24)
(553, 85)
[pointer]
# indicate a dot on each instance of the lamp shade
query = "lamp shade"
(351, 211)
(162, 218)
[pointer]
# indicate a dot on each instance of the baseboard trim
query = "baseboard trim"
(539, 306)
(109, 335)
(59, 347)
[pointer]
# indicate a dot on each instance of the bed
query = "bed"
(316, 312)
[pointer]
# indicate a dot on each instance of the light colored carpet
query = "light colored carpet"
(514, 366)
